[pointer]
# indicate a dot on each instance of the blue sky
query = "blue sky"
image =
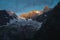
(23, 6)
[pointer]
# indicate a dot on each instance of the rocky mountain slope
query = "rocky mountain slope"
(6, 16)
(50, 29)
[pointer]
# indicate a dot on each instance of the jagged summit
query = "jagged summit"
(46, 9)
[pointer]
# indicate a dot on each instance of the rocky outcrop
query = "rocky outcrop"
(50, 29)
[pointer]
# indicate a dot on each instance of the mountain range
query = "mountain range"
(34, 13)
(34, 25)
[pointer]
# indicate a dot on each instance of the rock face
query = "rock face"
(6, 16)
(44, 15)
(50, 29)
(41, 18)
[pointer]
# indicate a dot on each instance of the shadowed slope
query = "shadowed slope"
(50, 29)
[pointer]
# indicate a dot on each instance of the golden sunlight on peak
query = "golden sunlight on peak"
(31, 14)
(37, 11)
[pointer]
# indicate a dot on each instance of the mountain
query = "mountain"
(21, 30)
(32, 14)
(44, 26)
(50, 29)
(46, 8)
(44, 15)
(6, 16)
